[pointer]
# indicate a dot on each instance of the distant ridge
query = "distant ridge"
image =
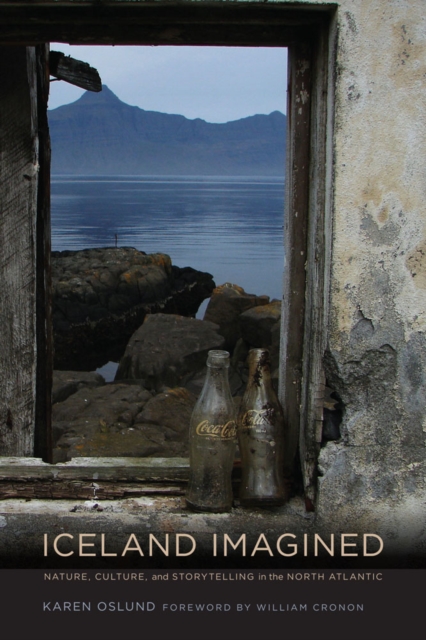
(101, 135)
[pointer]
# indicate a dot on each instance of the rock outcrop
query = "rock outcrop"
(122, 420)
(147, 410)
(257, 324)
(66, 383)
(260, 328)
(227, 303)
(101, 296)
(168, 350)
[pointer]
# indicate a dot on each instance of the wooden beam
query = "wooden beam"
(44, 334)
(143, 23)
(295, 244)
(95, 470)
(77, 490)
(96, 478)
(318, 269)
(74, 71)
(19, 170)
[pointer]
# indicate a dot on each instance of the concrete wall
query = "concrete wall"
(375, 476)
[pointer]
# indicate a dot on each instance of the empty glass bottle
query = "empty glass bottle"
(261, 437)
(212, 440)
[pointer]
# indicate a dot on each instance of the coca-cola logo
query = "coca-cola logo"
(256, 418)
(227, 431)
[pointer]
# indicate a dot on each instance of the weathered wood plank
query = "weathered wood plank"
(295, 245)
(176, 34)
(44, 334)
(176, 22)
(319, 256)
(19, 164)
(76, 490)
(74, 71)
(96, 470)
(44, 12)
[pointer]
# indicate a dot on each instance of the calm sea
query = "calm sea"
(230, 227)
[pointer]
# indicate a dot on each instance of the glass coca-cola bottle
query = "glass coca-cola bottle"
(212, 440)
(261, 437)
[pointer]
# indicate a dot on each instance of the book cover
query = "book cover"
(103, 548)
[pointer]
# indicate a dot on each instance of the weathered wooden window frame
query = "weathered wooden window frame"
(309, 35)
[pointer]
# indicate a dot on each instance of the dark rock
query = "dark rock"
(99, 421)
(170, 410)
(190, 288)
(91, 284)
(240, 352)
(260, 327)
(101, 296)
(228, 301)
(122, 420)
(168, 350)
(257, 324)
(65, 383)
(239, 362)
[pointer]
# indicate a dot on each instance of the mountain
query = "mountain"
(101, 135)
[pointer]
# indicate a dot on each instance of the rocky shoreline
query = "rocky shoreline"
(145, 411)
(101, 296)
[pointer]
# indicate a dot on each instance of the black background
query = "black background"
(394, 608)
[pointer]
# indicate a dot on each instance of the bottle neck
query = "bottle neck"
(216, 381)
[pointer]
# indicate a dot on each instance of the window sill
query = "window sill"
(92, 478)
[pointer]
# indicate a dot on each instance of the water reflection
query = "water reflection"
(230, 227)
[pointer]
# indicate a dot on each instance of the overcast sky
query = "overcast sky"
(216, 84)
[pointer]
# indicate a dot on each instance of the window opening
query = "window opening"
(207, 219)
(26, 355)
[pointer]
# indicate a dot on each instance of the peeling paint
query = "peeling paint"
(416, 264)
